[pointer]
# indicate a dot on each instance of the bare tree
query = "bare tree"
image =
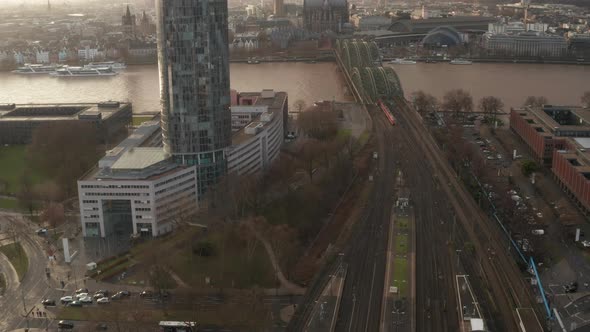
(299, 105)
(53, 214)
(458, 101)
(491, 105)
(424, 102)
(319, 124)
(533, 101)
(26, 194)
(48, 192)
(586, 99)
(65, 151)
(309, 152)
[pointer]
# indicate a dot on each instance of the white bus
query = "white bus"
(177, 326)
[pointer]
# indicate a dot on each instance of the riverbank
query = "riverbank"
(506, 60)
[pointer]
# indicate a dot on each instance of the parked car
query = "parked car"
(81, 290)
(103, 300)
(42, 231)
(117, 296)
(125, 293)
(65, 324)
(490, 158)
(81, 295)
(75, 304)
(538, 232)
(48, 303)
(585, 243)
(102, 291)
(66, 299)
(98, 296)
(86, 299)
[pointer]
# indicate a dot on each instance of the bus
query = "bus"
(178, 326)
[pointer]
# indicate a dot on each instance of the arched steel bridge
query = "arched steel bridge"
(362, 61)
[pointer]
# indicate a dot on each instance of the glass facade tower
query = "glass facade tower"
(193, 59)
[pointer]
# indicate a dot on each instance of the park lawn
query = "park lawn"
(8, 204)
(229, 267)
(138, 120)
(400, 275)
(401, 244)
(13, 161)
(17, 257)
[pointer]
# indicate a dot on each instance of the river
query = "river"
(561, 84)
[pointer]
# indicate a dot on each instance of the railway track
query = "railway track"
(500, 275)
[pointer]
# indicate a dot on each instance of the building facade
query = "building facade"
(143, 192)
(259, 122)
(325, 15)
(19, 121)
(193, 57)
(279, 8)
(571, 168)
(528, 44)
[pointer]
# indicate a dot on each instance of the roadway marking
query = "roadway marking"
(352, 313)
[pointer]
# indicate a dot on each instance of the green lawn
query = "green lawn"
(17, 256)
(402, 222)
(12, 164)
(9, 204)
(401, 244)
(137, 120)
(400, 275)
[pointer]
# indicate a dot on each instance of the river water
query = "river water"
(561, 84)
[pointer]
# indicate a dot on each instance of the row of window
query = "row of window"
(114, 186)
(175, 178)
(89, 201)
(143, 209)
(174, 187)
(116, 194)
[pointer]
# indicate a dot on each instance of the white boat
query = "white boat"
(461, 62)
(253, 61)
(111, 64)
(29, 69)
(83, 72)
(403, 62)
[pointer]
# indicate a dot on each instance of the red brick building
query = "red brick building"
(559, 137)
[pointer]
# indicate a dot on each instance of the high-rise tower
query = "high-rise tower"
(193, 59)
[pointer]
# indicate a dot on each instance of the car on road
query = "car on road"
(48, 303)
(42, 231)
(120, 295)
(101, 327)
(499, 156)
(572, 287)
(103, 300)
(490, 158)
(65, 324)
(66, 299)
(486, 151)
(585, 243)
(85, 299)
(75, 304)
(146, 294)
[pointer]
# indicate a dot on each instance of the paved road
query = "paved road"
(34, 285)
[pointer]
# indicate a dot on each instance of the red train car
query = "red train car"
(387, 113)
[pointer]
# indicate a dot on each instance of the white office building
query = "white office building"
(259, 122)
(136, 190)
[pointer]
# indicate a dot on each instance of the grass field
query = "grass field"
(137, 120)
(400, 275)
(12, 164)
(9, 204)
(17, 256)
(401, 244)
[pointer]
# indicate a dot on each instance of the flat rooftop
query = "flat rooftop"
(274, 106)
(560, 121)
(60, 112)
